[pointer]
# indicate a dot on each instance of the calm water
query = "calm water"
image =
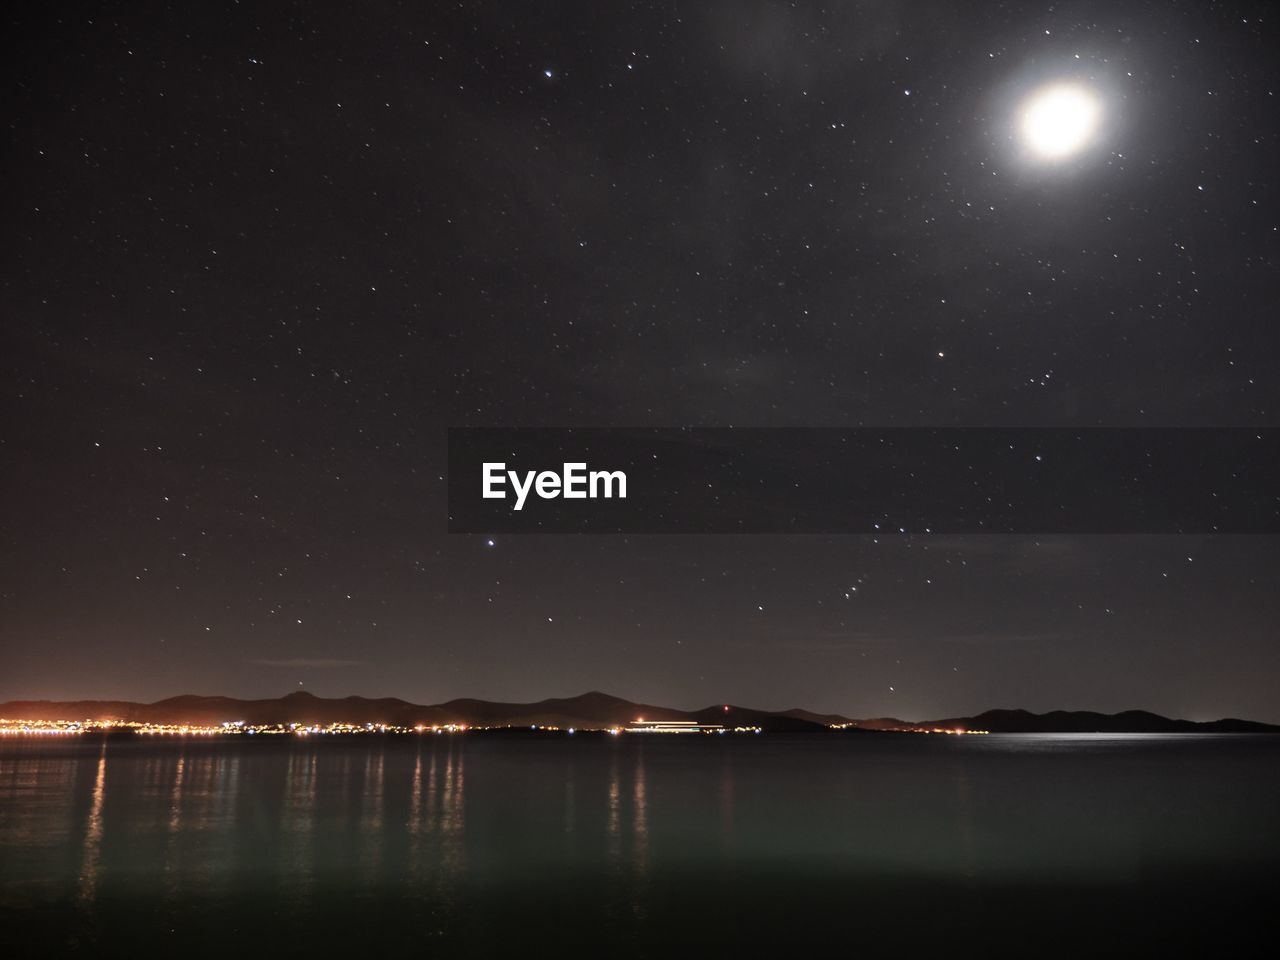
(467, 846)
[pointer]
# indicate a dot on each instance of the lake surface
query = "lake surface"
(477, 845)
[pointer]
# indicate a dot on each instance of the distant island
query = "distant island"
(589, 711)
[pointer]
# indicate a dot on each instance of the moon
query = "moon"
(1059, 120)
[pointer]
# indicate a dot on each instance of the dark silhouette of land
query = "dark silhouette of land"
(589, 710)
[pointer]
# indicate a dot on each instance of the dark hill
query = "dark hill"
(589, 710)
(1086, 721)
(825, 719)
(734, 716)
(592, 709)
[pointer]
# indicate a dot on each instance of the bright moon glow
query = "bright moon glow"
(1058, 121)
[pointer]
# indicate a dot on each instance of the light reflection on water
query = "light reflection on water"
(438, 818)
(93, 830)
(371, 833)
(297, 824)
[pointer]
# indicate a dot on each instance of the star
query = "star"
(1059, 121)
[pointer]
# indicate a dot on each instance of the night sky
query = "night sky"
(258, 259)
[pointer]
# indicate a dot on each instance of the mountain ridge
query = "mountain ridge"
(591, 709)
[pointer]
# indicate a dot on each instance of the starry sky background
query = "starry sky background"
(257, 260)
